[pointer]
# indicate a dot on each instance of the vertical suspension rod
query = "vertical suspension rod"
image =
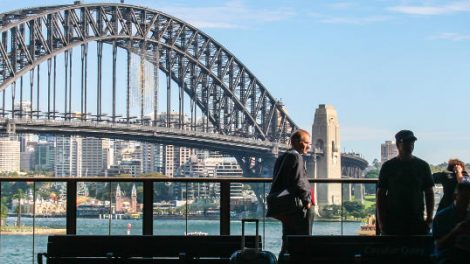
(21, 96)
(38, 81)
(181, 94)
(128, 88)
(114, 81)
(70, 83)
(100, 78)
(66, 72)
(82, 80)
(31, 85)
(156, 83)
(54, 86)
(168, 88)
(193, 89)
(13, 91)
(49, 66)
(85, 82)
(142, 82)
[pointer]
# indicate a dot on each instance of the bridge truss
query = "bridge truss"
(232, 101)
(162, 72)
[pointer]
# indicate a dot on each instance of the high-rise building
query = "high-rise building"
(388, 150)
(68, 157)
(9, 155)
(327, 156)
(125, 150)
(44, 156)
(173, 157)
(210, 167)
(152, 157)
(94, 156)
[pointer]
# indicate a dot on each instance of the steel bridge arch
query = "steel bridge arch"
(224, 89)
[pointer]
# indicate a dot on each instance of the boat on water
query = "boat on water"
(91, 210)
(367, 230)
(197, 233)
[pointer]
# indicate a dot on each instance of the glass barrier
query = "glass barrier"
(32, 210)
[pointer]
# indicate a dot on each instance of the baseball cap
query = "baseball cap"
(405, 135)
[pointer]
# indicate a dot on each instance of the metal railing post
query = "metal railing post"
(147, 226)
(71, 213)
(225, 208)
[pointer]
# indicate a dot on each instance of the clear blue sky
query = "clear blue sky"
(385, 65)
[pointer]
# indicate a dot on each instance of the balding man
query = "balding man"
(290, 175)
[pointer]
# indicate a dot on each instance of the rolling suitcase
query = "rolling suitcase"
(252, 255)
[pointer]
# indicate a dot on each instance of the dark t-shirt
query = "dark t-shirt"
(404, 182)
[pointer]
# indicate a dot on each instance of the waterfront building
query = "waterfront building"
(211, 167)
(152, 158)
(68, 156)
(44, 156)
(125, 150)
(94, 156)
(26, 160)
(131, 167)
(9, 155)
(126, 204)
(173, 156)
(326, 154)
(388, 150)
(228, 167)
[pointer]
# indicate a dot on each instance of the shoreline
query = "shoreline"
(200, 217)
(28, 230)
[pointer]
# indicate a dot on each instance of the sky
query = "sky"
(384, 65)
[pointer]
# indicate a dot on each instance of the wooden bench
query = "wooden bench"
(359, 249)
(142, 249)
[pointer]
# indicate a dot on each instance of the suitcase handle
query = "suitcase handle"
(250, 220)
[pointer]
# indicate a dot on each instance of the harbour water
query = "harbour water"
(17, 249)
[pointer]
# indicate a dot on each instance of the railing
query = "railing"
(222, 188)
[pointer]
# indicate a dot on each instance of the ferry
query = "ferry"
(91, 210)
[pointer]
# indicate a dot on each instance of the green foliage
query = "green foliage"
(3, 212)
(354, 209)
(154, 175)
(162, 191)
(371, 174)
(371, 210)
(376, 163)
(331, 211)
(438, 168)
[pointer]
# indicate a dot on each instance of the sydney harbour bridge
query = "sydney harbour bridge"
(128, 72)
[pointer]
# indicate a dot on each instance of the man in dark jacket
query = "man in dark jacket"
(292, 179)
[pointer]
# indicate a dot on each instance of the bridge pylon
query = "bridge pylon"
(326, 154)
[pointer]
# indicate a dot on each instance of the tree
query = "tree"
(354, 209)
(376, 163)
(18, 196)
(372, 174)
(3, 213)
(331, 211)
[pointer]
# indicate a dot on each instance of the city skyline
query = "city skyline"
(384, 66)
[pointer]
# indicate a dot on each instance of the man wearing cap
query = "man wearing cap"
(404, 183)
